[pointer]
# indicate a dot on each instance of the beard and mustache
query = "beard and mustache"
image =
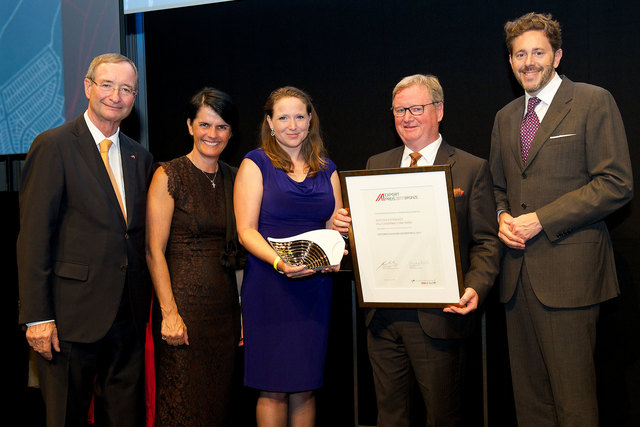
(545, 77)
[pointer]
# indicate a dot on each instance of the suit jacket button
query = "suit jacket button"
(524, 175)
(126, 236)
(123, 268)
(524, 206)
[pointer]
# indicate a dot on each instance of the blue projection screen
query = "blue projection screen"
(136, 6)
(31, 78)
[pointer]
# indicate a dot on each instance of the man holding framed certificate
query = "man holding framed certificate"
(428, 345)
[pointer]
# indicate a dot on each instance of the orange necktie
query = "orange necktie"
(414, 159)
(104, 153)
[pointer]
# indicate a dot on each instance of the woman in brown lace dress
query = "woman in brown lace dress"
(196, 319)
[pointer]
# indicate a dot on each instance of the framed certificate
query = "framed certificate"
(403, 236)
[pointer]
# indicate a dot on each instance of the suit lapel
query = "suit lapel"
(559, 108)
(396, 157)
(513, 131)
(445, 155)
(88, 150)
(129, 168)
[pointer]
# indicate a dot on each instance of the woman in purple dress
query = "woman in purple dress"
(284, 188)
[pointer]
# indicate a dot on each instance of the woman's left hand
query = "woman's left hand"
(294, 272)
(173, 329)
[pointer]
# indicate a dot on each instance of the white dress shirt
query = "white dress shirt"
(428, 154)
(545, 95)
(115, 159)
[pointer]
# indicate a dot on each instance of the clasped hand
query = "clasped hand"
(515, 232)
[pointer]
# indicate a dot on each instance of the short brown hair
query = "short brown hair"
(312, 150)
(109, 58)
(534, 21)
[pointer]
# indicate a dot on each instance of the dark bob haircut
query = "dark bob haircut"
(218, 101)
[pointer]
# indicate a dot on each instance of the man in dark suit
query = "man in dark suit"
(84, 293)
(555, 182)
(428, 345)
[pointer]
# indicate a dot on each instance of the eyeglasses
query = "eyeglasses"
(106, 88)
(415, 110)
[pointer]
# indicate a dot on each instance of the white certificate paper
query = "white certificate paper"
(403, 236)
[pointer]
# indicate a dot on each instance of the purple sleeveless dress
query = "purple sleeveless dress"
(286, 322)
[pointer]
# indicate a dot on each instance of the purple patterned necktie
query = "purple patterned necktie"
(529, 127)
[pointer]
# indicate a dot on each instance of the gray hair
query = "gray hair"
(109, 58)
(427, 80)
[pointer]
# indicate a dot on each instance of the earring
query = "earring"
(273, 132)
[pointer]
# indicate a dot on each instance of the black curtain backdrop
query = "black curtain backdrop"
(348, 56)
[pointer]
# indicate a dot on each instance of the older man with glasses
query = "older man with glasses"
(84, 293)
(430, 345)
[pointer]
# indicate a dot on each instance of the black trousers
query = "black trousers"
(111, 371)
(400, 354)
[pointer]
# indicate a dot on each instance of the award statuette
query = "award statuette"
(317, 249)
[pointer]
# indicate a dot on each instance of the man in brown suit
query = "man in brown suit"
(555, 182)
(429, 345)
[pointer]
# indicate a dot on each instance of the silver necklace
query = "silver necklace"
(211, 180)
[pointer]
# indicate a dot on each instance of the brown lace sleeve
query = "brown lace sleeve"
(172, 169)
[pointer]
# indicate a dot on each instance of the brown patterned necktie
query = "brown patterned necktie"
(414, 159)
(529, 127)
(105, 144)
